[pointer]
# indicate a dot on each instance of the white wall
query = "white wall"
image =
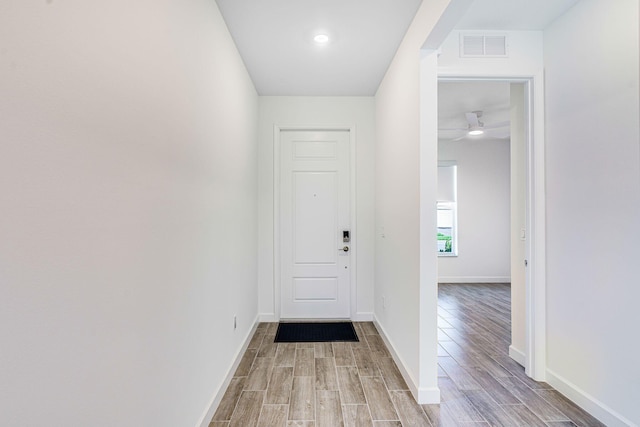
(593, 189)
(406, 173)
(483, 212)
(319, 111)
(128, 189)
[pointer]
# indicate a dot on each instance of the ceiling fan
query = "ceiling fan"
(475, 128)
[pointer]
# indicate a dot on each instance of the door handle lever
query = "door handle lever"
(346, 249)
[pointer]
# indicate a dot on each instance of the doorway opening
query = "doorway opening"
(498, 198)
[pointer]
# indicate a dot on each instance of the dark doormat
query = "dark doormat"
(316, 332)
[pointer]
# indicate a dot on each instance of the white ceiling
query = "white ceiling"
(516, 15)
(274, 38)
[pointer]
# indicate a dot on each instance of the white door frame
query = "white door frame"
(277, 283)
(535, 245)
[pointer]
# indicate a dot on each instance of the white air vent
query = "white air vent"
(483, 45)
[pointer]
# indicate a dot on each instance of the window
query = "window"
(447, 209)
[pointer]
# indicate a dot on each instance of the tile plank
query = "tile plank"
(350, 385)
(323, 349)
(391, 374)
(411, 414)
(543, 409)
(273, 416)
(326, 374)
(304, 365)
(497, 391)
(489, 409)
(356, 416)
(457, 403)
(279, 389)
(302, 406)
(576, 414)
(260, 373)
(229, 400)
(378, 348)
(367, 367)
(328, 409)
(246, 362)
(343, 354)
(523, 416)
(248, 409)
(378, 398)
(285, 354)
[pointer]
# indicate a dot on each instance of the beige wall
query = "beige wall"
(128, 188)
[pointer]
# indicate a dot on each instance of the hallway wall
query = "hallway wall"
(128, 189)
(593, 199)
(406, 173)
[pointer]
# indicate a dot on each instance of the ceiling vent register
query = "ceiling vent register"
(483, 46)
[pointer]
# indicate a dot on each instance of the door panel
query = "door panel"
(314, 209)
(315, 217)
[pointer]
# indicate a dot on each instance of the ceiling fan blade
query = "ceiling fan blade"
(472, 118)
(498, 125)
(452, 129)
(458, 138)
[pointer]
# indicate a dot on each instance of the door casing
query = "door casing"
(277, 129)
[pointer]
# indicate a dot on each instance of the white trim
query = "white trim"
(535, 247)
(363, 317)
(517, 355)
(267, 317)
(423, 395)
(587, 402)
(474, 279)
(276, 211)
(205, 420)
(428, 396)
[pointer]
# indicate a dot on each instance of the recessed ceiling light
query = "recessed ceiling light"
(321, 38)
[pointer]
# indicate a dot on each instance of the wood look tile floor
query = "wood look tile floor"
(358, 384)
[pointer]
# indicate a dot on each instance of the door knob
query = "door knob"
(346, 249)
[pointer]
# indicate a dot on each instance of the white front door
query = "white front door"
(314, 216)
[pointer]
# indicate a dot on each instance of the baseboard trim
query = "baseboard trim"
(358, 317)
(587, 402)
(429, 396)
(363, 317)
(268, 317)
(422, 395)
(474, 279)
(517, 355)
(205, 420)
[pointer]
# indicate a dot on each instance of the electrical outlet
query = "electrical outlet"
(235, 322)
